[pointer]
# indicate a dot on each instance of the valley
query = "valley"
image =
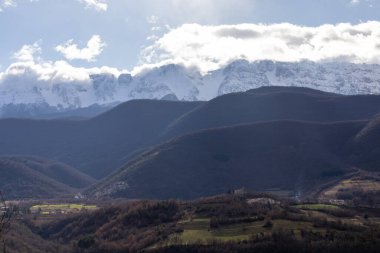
(237, 221)
(245, 171)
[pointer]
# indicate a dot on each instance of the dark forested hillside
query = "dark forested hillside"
(287, 155)
(32, 177)
(295, 154)
(96, 146)
(275, 103)
(364, 150)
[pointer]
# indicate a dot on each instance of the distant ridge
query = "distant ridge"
(94, 146)
(176, 82)
(34, 177)
(289, 89)
(275, 103)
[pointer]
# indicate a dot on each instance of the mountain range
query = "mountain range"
(175, 82)
(287, 138)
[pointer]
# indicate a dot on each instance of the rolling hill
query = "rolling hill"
(290, 156)
(33, 177)
(286, 154)
(95, 146)
(275, 103)
(99, 145)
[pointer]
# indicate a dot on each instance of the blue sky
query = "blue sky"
(58, 45)
(125, 27)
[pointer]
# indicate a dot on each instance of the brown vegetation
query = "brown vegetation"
(157, 226)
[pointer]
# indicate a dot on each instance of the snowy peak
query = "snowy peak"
(166, 80)
(124, 79)
(241, 76)
(343, 78)
(176, 82)
(104, 86)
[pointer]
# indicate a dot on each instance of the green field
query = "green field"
(317, 206)
(198, 231)
(48, 208)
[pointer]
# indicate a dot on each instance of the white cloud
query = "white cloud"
(98, 5)
(27, 53)
(210, 47)
(6, 4)
(28, 60)
(71, 51)
(369, 3)
(30, 71)
(11, 3)
(152, 37)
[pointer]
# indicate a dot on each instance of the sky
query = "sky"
(66, 39)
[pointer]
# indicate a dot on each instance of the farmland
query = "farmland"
(212, 222)
(232, 219)
(198, 231)
(45, 213)
(47, 209)
(316, 206)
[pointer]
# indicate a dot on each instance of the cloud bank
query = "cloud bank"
(71, 51)
(206, 48)
(210, 47)
(29, 70)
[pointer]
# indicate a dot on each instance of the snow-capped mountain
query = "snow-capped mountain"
(173, 82)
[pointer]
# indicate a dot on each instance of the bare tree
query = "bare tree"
(6, 215)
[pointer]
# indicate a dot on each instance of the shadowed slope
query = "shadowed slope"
(31, 177)
(96, 146)
(275, 103)
(99, 145)
(364, 150)
(289, 155)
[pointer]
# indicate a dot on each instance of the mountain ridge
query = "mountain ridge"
(177, 82)
(275, 103)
